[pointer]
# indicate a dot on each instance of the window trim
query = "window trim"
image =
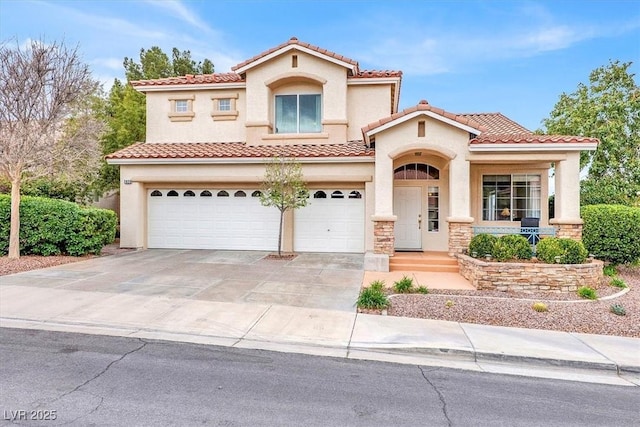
(512, 208)
(232, 113)
(181, 116)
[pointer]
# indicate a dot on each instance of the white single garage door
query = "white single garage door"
(210, 219)
(332, 221)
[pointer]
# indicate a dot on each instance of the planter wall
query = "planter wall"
(507, 276)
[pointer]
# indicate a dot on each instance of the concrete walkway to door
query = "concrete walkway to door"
(325, 281)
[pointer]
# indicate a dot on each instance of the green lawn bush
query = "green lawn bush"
(482, 244)
(570, 251)
(54, 227)
(512, 246)
(373, 297)
(612, 232)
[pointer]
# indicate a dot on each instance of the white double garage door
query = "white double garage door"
(219, 218)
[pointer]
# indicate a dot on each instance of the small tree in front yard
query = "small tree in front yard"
(284, 188)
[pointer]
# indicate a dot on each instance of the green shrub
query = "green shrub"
(53, 227)
(404, 285)
(512, 246)
(569, 250)
(373, 297)
(482, 244)
(587, 292)
(612, 232)
(540, 307)
(422, 290)
(610, 270)
(618, 283)
(618, 309)
(574, 251)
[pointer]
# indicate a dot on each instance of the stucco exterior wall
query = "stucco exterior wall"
(279, 72)
(366, 104)
(441, 140)
(202, 127)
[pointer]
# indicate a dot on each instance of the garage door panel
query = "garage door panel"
(210, 222)
(330, 225)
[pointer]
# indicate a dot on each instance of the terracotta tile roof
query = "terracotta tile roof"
(191, 79)
(292, 41)
(425, 106)
(367, 74)
(531, 138)
(497, 123)
(219, 150)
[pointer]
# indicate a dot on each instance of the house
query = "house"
(380, 179)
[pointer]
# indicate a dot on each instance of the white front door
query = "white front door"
(407, 206)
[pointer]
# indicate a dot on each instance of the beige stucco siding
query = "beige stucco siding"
(366, 104)
(202, 127)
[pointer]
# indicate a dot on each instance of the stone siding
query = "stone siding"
(383, 237)
(505, 276)
(460, 234)
(571, 231)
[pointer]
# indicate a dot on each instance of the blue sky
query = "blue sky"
(515, 57)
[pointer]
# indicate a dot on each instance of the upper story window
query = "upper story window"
(181, 109)
(182, 106)
(224, 106)
(298, 113)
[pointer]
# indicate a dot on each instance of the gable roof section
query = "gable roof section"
(211, 152)
(493, 131)
(497, 123)
(294, 44)
(423, 108)
(189, 79)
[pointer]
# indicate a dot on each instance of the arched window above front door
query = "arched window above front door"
(416, 171)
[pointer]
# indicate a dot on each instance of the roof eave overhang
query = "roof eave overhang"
(418, 113)
(197, 86)
(285, 49)
(237, 160)
(524, 146)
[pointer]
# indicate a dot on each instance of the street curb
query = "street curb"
(203, 339)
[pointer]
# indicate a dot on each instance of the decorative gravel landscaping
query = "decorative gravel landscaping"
(565, 311)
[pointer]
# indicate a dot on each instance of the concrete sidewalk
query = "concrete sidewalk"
(593, 358)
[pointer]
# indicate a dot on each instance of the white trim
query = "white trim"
(237, 160)
(534, 146)
(372, 80)
(418, 113)
(182, 87)
(298, 47)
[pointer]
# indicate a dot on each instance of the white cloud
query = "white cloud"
(424, 48)
(109, 63)
(176, 7)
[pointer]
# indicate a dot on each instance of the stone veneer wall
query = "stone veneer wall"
(505, 276)
(572, 231)
(460, 234)
(383, 237)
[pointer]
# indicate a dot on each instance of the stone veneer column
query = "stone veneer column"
(571, 230)
(383, 236)
(460, 234)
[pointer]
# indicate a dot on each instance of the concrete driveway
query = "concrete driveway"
(327, 281)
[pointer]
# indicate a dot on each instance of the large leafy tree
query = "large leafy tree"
(43, 128)
(284, 188)
(125, 109)
(607, 108)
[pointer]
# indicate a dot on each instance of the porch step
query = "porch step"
(423, 261)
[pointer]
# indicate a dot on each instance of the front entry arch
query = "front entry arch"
(420, 201)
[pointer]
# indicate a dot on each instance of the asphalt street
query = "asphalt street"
(89, 380)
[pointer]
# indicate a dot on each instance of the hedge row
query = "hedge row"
(612, 232)
(54, 227)
(516, 246)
